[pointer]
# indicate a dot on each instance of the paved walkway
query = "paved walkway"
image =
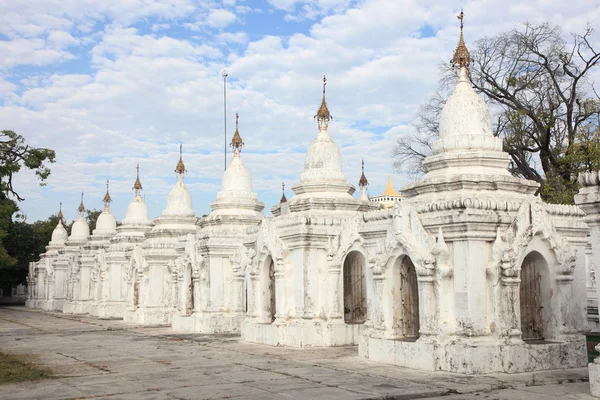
(114, 360)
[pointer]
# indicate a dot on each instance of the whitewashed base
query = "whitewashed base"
(302, 333)
(477, 356)
(149, 316)
(594, 371)
(208, 322)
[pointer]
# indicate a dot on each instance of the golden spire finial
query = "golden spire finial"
(137, 185)
(107, 198)
(236, 141)
(462, 57)
(283, 198)
(323, 117)
(81, 208)
(180, 169)
(363, 179)
(60, 214)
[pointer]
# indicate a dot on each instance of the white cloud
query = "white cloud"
(231, 37)
(147, 92)
(220, 18)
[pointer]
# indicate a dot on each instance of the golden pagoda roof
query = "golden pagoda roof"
(462, 57)
(389, 189)
(236, 141)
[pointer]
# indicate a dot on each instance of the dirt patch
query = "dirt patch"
(22, 367)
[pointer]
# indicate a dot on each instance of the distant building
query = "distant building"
(389, 196)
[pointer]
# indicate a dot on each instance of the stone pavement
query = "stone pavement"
(113, 360)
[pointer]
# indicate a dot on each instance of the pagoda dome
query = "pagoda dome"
(237, 177)
(465, 112)
(137, 212)
(59, 234)
(179, 202)
(106, 222)
(80, 229)
(323, 160)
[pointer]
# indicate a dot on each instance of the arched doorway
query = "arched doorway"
(136, 292)
(355, 289)
(272, 293)
(530, 297)
(409, 295)
(189, 298)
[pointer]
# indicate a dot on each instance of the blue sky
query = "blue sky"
(114, 83)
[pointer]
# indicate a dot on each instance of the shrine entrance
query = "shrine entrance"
(530, 297)
(355, 289)
(409, 290)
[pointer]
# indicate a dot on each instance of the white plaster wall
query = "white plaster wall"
(84, 281)
(115, 283)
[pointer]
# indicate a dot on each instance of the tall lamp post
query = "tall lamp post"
(224, 74)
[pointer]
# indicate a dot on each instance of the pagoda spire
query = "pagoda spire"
(81, 207)
(323, 116)
(462, 57)
(107, 200)
(180, 169)
(60, 213)
(137, 186)
(236, 141)
(363, 183)
(283, 198)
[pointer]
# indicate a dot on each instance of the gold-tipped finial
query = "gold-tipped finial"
(137, 185)
(323, 117)
(236, 141)
(60, 214)
(107, 198)
(462, 57)
(283, 198)
(81, 208)
(180, 169)
(363, 179)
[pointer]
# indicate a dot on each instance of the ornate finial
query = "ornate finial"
(180, 169)
(283, 198)
(60, 214)
(363, 179)
(107, 198)
(323, 117)
(137, 185)
(462, 57)
(236, 141)
(81, 208)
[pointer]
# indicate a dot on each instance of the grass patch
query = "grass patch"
(20, 368)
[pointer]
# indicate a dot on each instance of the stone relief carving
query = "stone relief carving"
(531, 220)
(269, 243)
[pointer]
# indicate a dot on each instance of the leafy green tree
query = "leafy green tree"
(544, 103)
(91, 217)
(18, 241)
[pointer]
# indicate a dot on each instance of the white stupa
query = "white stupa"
(106, 224)
(236, 197)
(80, 231)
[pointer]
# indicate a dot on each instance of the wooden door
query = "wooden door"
(272, 292)
(530, 298)
(409, 290)
(189, 306)
(355, 299)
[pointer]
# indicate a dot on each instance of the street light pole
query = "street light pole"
(224, 74)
